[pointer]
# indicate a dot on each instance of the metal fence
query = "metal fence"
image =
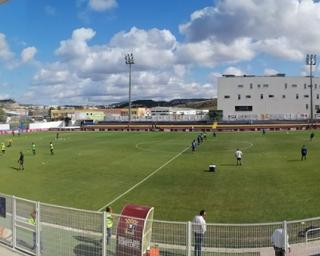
(61, 231)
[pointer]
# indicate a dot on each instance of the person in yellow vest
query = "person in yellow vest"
(109, 223)
(3, 148)
(51, 148)
(32, 221)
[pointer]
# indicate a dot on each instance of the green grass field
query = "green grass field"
(91, 169)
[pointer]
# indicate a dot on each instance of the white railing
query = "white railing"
(312, 230)
(62, 231)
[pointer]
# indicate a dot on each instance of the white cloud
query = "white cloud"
(270, 72)
(280, 47)
(233, 71)
(102, 5)
(211, 53)
(98, 73)
(286, 29)
(5, 52)
(77, 45)
(9, 59)
(153, 38)
(28, 54)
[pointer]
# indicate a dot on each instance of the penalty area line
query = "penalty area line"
(144, 179)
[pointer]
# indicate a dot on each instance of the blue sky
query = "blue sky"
(72, 52)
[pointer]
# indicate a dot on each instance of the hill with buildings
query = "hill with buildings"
(183, 103)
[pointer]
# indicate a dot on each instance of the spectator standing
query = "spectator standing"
(279, 243)
(199, 226)
(32, 221)
(109, 223)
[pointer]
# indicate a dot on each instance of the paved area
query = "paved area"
(5, 251)
(309, 249)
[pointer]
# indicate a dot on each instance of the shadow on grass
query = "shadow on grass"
(209, 171)
(87, 250)
(86, 239)
(14, 168)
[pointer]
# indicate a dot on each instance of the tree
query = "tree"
(67, 121)
(215, 115)
(49, 112)
(3, 117)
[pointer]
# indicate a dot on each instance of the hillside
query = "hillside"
(183, 103)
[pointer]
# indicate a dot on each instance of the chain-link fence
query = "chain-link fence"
(50, 230)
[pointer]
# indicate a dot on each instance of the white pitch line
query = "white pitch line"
(143, 180)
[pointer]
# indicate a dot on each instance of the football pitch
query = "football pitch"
(90, 170)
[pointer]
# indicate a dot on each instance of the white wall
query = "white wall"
(45, 125)
(4, 127)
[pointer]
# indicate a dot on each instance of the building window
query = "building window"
(297, 96)
(283, 96)
(239, 97)
(251, 85)
(240, 85)
(294, 86)
(271, 96)
(306, 95)
(285, 86)
(265, 85)
(227, 96)
(315, 86)
(248, 96)
(307, 106)
(261, 96)
(243, 108)
(317, 96)
(305, 86)
(258, 85)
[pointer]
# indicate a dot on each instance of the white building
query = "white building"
(268, 97)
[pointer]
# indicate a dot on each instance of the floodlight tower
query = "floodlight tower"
(311, 60)
(129, 61)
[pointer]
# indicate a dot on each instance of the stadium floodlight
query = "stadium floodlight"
(311, 60)
(129, 61)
